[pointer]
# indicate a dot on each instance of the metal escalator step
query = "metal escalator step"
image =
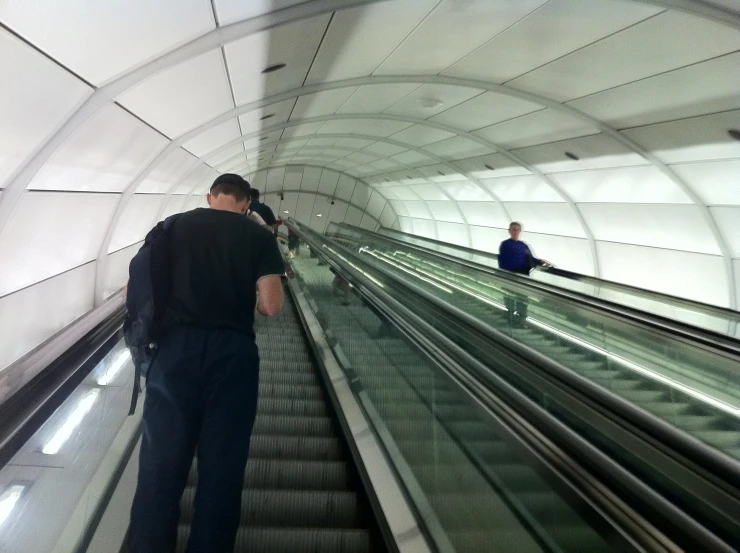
(721, 439)
(286, 366)
(645, 396)
(667, 408)
(500, 540)
(293, 540)
(288, 378)
(292, 475)
(618, 384)
(307, 448)
(294, 407)
(296, 508)
(285, 425)
(268, 389)
(694, 422)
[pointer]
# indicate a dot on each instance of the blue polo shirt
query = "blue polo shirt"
(515, 255)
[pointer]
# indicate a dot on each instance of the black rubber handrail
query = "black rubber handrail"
(609, 284)
(348, 261)
(29, 408)
(706, 338)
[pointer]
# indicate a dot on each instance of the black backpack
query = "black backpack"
(149, 288)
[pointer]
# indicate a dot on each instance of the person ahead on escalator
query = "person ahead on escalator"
(203, 382)
(517, 257)
(263, 210)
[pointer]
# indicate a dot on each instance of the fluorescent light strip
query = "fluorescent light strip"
(718, 403)
(114, 368)
(355, 267)
(412, 273)
(8, 500)
(53, 446)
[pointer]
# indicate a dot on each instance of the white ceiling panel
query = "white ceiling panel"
(464, 26)
(492, 165)
(66, 31)
(376, 204)
(452, 232)
(304, 207)
(193, 179)
(467, 191)
(167, 174)
(716, 182)
(275, 179)
(594, 152)
(418, 209)
(355, 143)
(174, 205)
(383, 165)
(292, 179)
(675, 227)
(202, 188)
(638, 52)
(728, 219)
(487, 239)
(421, 135)
(51, 232)
(412, 158)
(226, 159)
(182, 97)
(322, 142)
(346, 188)
(104, 155)
(400, 207)
(694, 139)
(376, 98)
(208, 141)
(275, 113)
(547, 218)
(288, 203)
(293, 144)
(388, 216)
(353, 216)
(361, 195)
(446, 95)
(370, 127)
(445, 211)
(321, 103)
(385, 149)
(441, 173)
(525, 188)
(28, 112)
(644, 185)
(558, 27)
(541, 127)
(311, 179)
(307, 129)
(484, 213)
(404, 192)
(457, 147)
(137, 219)
(294, 44)
(429, 192)
(674, 95)
(231, 11)
(359, 39)
(485, 110)
(328, 182)
(337, 212)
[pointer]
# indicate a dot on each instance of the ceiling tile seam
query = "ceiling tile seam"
(648, 77)
(43, 280)
(509, 120)
(661, 248)
(568, 54)
(677, 120)
(110, 90)
(483, 92)
(229, 80)
(441, 161)
(700, 9)
(411, 32)
(498, 34)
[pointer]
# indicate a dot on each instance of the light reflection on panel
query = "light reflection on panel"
(136, 220)
(116, 269)
(61, 299)
(51, 232)
(167, 174)
(453, 233)
(104, 154)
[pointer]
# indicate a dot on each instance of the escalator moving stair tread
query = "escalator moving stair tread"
(298, 494)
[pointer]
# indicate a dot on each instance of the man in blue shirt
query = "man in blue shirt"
(516, 256)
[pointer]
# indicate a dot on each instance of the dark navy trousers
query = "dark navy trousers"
(201, 395)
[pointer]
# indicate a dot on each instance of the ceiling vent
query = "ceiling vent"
(430, 103)
(273, 68)
(571, 155)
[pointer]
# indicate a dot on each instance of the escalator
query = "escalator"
(299, 493)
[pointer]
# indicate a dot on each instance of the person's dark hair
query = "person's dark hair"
(514, 224)
(231, 185)
(255, 194)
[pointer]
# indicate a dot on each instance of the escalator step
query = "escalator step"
(267, 389)
(285, 425)
(293, 540)
(295, 407)
(306, 448)
(292, 475)
(296, 508)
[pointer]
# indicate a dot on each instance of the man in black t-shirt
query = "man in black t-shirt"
(263, 210)
(202, 385)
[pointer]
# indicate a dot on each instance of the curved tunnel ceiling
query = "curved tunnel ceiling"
(601, 124)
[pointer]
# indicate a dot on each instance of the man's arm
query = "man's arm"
(270, 299)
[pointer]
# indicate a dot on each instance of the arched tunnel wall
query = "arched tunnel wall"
(601, 125)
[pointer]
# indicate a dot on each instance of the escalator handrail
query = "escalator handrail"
(715, 341)
(588, 451)
(723, 467)
(609, 284)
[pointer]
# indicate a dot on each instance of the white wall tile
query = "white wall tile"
(546, 218)
(728, 219)
(138, 218)
(167, 174)
(716, 182)
(116, 269)
(525, 188)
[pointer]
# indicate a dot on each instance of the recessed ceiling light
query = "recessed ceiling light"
(318, 215)
(430, 103)
(286, 211)
(267, 116)
(489, 167)
(273, 68)
(734, 133)
(572, 156)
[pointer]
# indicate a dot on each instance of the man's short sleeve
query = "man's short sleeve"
(269, 262)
